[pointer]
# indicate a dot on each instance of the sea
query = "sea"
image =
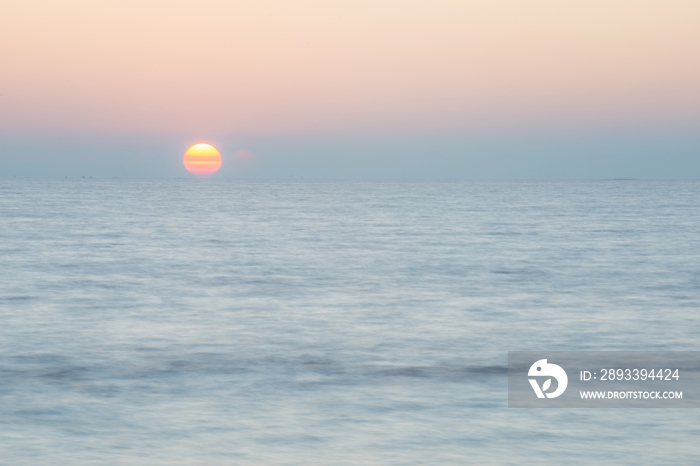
(301, 322)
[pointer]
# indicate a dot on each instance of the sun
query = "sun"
(202, 160)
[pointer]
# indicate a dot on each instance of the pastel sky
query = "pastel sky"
(338, 74)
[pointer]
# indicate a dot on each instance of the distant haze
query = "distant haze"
(352, 89)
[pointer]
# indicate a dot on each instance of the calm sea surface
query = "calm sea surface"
(178, 322)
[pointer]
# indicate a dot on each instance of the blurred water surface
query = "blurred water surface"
(176, 322)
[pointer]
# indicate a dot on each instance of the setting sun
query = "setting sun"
(202, 160)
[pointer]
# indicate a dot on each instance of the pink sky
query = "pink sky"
(328, 67)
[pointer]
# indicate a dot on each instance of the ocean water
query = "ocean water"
(175, 322)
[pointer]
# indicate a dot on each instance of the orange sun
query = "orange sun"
(202, 160)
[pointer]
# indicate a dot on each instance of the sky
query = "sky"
(497, 89)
